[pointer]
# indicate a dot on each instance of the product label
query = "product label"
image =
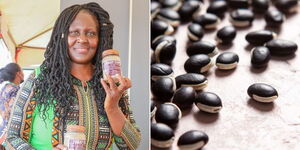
(76, 144)
(112, 67)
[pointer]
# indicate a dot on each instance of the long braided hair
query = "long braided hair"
(54, 83)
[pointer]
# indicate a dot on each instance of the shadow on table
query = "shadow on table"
(205, 117)
(258, 70)
(186, 111)
(156, 148)
(249, 47)
(224, 46)
(260, 106)
(283, 58)
(224, 73)
(275, 29)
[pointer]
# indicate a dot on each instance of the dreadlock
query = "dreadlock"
(54, 83)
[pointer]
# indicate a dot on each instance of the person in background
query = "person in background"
(68, 90)
(13, 74)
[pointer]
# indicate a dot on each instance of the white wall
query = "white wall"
(140, 66)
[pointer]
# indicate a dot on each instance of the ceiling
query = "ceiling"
(30, 22)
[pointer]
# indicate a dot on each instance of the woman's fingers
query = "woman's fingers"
(111, 82)
(128, 82)
(122, 86)
(112, 89)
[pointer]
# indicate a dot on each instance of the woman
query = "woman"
(67, 89)
(12, 73)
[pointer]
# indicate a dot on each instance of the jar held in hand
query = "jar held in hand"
(75, 137)
(111, 63)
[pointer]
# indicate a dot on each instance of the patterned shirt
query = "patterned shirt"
(7, 97)
(99, 135)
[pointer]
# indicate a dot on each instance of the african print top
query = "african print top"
(7, 97)
(24, 134)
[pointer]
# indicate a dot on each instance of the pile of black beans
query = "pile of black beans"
(170, 94)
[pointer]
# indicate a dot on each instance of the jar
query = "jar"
(74, 138)
(111, 63)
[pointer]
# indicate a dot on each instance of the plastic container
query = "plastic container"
(74, 138)
(111, 63)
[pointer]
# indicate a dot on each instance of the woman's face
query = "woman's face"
(83, 38)
(20, 74)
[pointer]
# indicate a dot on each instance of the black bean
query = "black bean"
(199, 63)
(227, 61)
(155, 7)
(274, 18)
(164, 49)
(287, 6)
(208, 102)
(260, 56)
(188, 9)
(238, 3)
(160, 70)
(260, 37)
(260, 6)
(226, 35)
(162, 136)
(262, 92)
(163, 89)
(152, 57)
(282, 47)
(193, 139)
(172, 4)
(217, 7)
(170, 16)
(195, 32)
(184, 97)
(241, 17)
(202, 47)
(159, 27)
(161, 39)
(169, 114)
(207, 21)
(197, 81)
(153, 108)
(166, 54)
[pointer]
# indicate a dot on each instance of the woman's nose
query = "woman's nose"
(81, 38)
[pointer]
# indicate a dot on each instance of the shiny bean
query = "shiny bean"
(199, 63)
(197, 81)
(208, 102)
(262, 92)
(162, 136)
(169, 114)
(193, 139)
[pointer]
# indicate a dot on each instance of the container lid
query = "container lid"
(75, 128)
(110, 52)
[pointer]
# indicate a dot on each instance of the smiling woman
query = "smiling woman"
(83, 37)
(67, 90)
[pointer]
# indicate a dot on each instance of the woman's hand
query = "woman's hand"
(60, 147)
(114, 92)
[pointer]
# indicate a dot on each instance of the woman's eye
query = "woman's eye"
(74, 33)
(91, 34)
